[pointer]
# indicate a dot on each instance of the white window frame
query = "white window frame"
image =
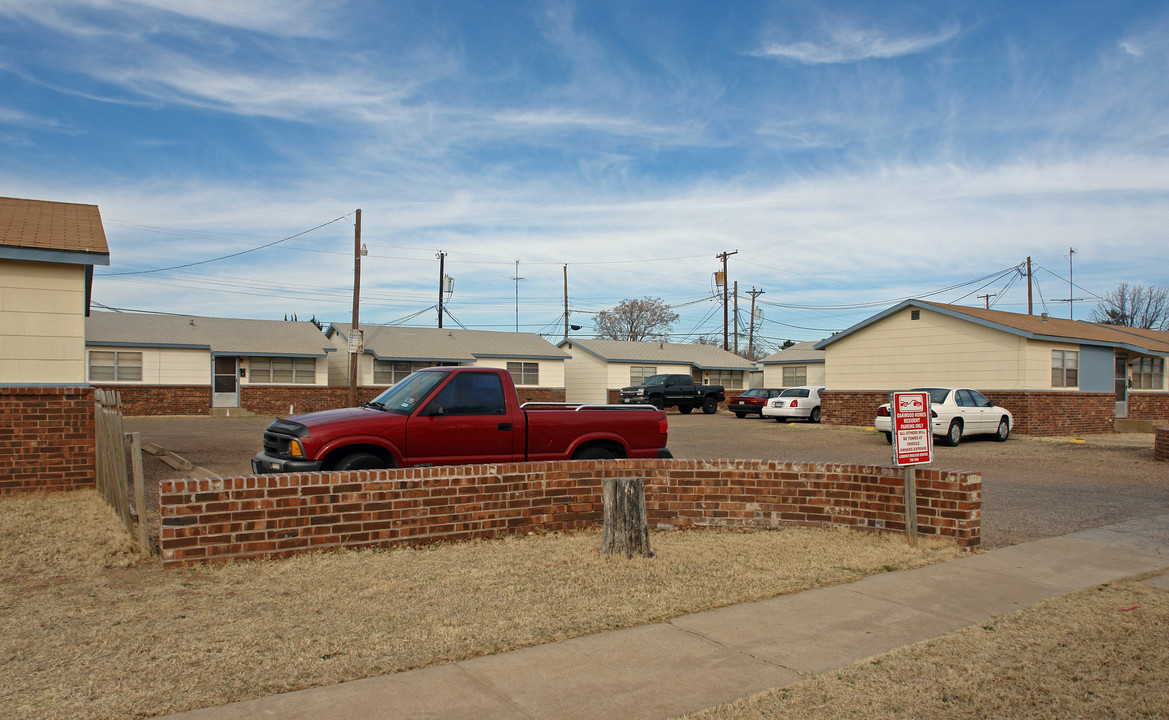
(639, 373)
(123, 365)
(795, 375)
(524, 373)
(282, 371)
(1065, 368)
(1148, 373)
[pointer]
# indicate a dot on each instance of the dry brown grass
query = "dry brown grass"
(1098, 653)
(89, 629)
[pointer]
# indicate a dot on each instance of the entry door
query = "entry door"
(1121, 386)
(225, 382)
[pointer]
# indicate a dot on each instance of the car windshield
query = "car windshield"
(937, 395)
(754, 392)
(402, 398)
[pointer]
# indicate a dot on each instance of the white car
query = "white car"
(956, 413)
(795, 403)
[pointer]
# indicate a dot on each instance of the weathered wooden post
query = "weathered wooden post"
(626, 529)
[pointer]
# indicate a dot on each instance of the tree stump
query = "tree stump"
(626, 530)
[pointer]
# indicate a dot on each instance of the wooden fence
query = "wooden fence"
(112, 478)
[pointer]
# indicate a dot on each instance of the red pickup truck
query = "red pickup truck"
(458, 416)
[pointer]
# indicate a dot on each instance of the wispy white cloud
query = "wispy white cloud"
(849, 45)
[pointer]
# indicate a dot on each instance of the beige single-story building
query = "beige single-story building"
(47, 254)
(1056, 376)
(800, 364)
(390, 353)
(598, 369)
(192, 365)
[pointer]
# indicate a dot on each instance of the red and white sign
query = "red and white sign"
(913, 440)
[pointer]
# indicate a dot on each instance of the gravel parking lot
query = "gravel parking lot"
(1032, 488)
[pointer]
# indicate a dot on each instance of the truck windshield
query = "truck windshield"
(403, 397)
(656, 380)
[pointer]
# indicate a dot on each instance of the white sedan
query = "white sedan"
(795, 403)
(956, 413)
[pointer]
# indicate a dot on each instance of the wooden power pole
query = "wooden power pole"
(355, 344)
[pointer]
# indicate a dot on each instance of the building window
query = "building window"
(283, 371)
(794, 375)
(638, 373)
(524, 373)
(1148, 373)
(732, 379)
(391, 372)
(107, 365)
(1065, 368)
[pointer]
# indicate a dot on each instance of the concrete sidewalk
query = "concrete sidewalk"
(699, 661)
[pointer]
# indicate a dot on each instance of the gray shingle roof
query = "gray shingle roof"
(52, 231)
(802, 352)
(222, 336)
(387, 342)
(705, 357)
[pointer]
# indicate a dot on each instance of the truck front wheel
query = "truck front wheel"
(685, 409)
(710, 405)
(658, 401)
(360, 461)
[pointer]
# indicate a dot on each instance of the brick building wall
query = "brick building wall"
(1148, 406)
(276, 515)
(1036, 412)
(46, 438)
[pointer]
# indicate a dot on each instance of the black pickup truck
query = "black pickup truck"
(663, 391)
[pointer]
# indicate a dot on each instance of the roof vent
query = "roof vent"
(1043, 316)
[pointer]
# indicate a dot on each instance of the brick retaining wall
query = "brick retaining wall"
(1148, 406)
(264, 399)
(46, 438)
(1036, 412)
(276, 515)
(1161, 443)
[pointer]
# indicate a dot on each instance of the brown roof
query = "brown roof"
(52, 226)
(1069, 329)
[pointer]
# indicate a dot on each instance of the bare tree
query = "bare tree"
(636, 319)
(1137, 306)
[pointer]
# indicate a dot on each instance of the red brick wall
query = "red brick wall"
(163, 399)
(264, 399)
(1161, 443)
(1148, 406)
(1036, 412)
(46, 438)
(276, 515)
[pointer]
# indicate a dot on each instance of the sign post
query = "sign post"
(913, 444)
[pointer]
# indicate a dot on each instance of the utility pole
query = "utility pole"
(441, 283)
(751, 336)
(565, 301)
(723, 256)
(355, 339)
(736, 316)
(987, 297)
(1030, 309)
(1071, 299)
(517, 295)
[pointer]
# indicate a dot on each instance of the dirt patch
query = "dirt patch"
(89, 629)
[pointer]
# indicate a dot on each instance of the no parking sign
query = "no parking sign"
(913, 438)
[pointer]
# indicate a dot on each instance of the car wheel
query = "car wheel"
(710, 406)
(740, 415)
(1004, 431)
(889, 438)
(954, 434)
(658, 402)
(360, 461)
(685, 409)
(594, 453)
(815, 416)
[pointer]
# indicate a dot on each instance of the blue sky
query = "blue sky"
(853, 154)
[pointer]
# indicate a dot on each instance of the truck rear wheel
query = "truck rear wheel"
(710, 405)
(594, 453)
(360, 461)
